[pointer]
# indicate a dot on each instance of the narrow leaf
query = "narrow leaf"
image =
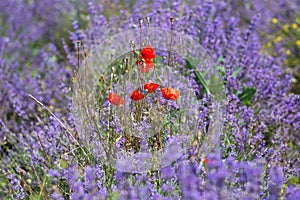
(199, 78)
(247, 95)
(236, 71)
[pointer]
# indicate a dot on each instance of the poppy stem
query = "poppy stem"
(141, 32)
(126, 64)
(148, 26)
(169, 53)
(111, 90)
(126, 60)
(109, 107)
(132, 53)
(150, 36)
(170, 49)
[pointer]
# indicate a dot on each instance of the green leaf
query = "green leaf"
(3, 182)
(28, 64)
(236, 71)
(63, 163)
(35, 197)
(35, 51)
(220, 59)
(34, 73)
(199, 78)
(114, 196)
(247, 95)
(221, 69)
(294, 180)
(158, 59)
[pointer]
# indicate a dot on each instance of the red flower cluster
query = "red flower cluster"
(146, 64)
(168, 93)
(136, 95)
(146, 54)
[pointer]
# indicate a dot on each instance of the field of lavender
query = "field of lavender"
(184, 99)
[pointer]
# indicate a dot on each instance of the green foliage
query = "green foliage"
(294, 180)
(35, 197)
(247, 95)
(63, 163)
(236, 71)
(199, 78)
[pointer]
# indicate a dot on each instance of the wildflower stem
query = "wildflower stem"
(78, 54)
(126, 61)
(127, 136)
(141, 32)
(39, 181)
(57, 119)
(170, 49)
(87, 109)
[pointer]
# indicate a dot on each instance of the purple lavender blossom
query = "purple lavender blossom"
(260, 132)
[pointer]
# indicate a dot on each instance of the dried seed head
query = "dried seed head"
(85, 50)
(147, 19)
(78, 43)
(147, 40)
(132, 43)
(141, 22)
(172, 20)
(101, 78)
(126, 60)
(21, 171)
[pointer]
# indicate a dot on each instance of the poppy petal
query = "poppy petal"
(145, 67)
(148, 52)
(151, 87)
(136, 95)
(115, 99)
(170, 93)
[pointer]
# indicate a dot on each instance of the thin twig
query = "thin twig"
(57, 119)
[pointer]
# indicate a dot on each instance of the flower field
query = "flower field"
(149, 99)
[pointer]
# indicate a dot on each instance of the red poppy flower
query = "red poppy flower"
(205, 161)
(148, 53)
(170, 93)
(136, 95)
(115, 99)
(146, 66)
(151, 87)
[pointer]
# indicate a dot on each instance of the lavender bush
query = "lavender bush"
(44, 154)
